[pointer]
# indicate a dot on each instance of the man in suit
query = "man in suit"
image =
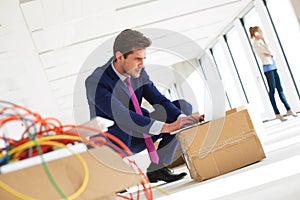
(109, 97)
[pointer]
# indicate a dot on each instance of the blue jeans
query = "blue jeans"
(274, 82)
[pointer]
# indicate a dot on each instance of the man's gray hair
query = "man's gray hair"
(129, 40)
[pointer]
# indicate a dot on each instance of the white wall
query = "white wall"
(296, 5)
(22, 78)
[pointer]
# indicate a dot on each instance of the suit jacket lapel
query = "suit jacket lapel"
(118, 83)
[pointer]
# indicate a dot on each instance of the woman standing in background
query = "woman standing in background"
(263, 51)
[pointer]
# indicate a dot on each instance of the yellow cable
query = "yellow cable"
(165, 192)
(14, 192)
(71, 197)
(25, 146)
(19, 149)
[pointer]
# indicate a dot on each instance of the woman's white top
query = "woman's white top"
(260, 48)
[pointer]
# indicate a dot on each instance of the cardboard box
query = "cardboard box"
(220, 146)
(234, 110)
(177, 158)
(108, 174)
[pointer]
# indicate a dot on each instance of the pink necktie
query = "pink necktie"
(148, 140)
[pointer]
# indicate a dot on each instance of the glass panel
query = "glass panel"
(244, 69)
(252, 19)
(232, 94)
(288, 30)
(195, 82)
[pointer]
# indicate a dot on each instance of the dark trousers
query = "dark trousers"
(274, 83)
(168, 144)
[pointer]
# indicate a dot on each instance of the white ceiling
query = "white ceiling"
(59, 23)
(65, 32)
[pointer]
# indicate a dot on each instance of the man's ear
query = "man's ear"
(119, 55)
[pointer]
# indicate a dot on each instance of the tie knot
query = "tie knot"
(127, 80)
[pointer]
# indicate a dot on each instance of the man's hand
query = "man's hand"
(182, 122)
(202, 118)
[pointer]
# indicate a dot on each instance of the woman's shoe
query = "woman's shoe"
(281, 118)
(290, 112)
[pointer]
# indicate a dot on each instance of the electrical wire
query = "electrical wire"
(35, 143)
(41, 132)
(71, 197)
(22, 147)
(48, 172)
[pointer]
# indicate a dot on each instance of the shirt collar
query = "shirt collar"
(122, 77)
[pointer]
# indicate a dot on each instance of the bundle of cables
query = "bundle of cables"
(42, 135)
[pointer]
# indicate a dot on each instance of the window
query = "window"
(227, 76)
(287, 27)
(243, 68)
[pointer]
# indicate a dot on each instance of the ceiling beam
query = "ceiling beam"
(25, 1)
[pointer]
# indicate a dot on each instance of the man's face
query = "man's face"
(134, 63)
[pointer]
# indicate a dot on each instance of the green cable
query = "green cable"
(45, 166)
(47, 170)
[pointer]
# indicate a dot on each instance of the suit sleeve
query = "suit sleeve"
(111, 101)
(154, 97)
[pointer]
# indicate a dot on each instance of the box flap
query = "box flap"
(234, 110)
(216, 133)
